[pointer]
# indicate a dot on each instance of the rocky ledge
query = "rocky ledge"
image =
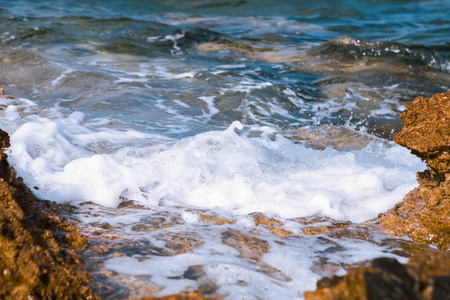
(38, 249)
(423, 215)
(424, 277)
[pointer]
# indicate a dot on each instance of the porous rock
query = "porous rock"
(181, 296)
(427, 133)
(425, 277)
(424, 213)
(38, 249)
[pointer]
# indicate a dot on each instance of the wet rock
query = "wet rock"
(252, 248)
(24, 71)
(206, 285)
(273, 225)
(181, 296)
(341, 230)
(424, 213)
(38, 248)
(340, 138)
(180, 242)
(214, 218)
(423, 277)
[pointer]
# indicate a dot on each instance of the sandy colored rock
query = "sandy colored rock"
(340, 230)
(188, 296)
(424, 213)
(427, 132)
(270, 224)
(252, 248)
(425, 277)
(38, 249)
(214, 218)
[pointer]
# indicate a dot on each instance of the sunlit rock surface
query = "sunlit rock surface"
(38, 258)
(187, 296)
(424, 214)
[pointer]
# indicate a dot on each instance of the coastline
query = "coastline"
(423, 215)
(45, 247)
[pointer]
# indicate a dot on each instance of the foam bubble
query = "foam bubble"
(211, 170)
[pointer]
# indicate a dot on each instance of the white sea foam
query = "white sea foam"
(67, 162)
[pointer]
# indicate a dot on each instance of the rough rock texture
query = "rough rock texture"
(427, 133)
(424, 213)
(189, 296)
(424, 277)
(38, 258)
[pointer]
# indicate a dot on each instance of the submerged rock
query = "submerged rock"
(340, 138)
(188, 296)
(38, 249)
(424, 213)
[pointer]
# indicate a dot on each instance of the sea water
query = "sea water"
(175, 127)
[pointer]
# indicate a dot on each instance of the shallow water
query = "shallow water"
(216, 146)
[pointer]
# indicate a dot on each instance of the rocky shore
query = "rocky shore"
(423, 277)
(40, 257)
(423, 215)
(38, 249)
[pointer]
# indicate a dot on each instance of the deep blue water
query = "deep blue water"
(418, 22)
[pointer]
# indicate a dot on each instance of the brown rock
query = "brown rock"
(424, 213)
(423, 277)
(270, 224)
(252, 248)
(213, 218)
(427, 132)
(188, 296)
(340, 230)
(38, 249)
